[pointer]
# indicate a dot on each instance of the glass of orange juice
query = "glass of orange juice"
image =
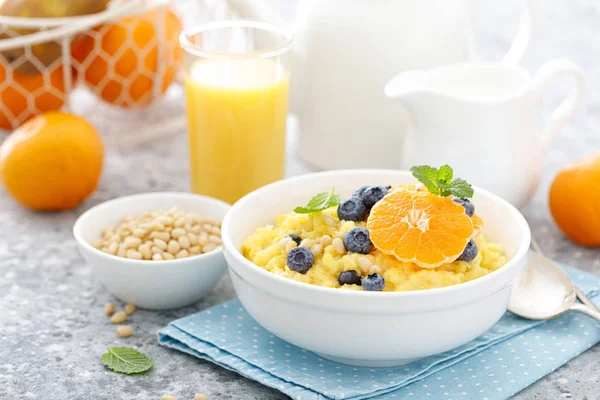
(236, 82)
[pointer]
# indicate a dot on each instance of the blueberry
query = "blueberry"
(296, 239)
(358, 240)
(349, 278)
(360, 191)
(300, 259)
(373, 283)
(352, 209)
(466, 203)
(469, 253)
(373, 194)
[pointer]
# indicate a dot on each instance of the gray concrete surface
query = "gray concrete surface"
(52, 328)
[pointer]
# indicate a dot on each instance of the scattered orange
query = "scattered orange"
(46, 91)
(121, 61)
(420, 227)
(52, 162)
(575, 200)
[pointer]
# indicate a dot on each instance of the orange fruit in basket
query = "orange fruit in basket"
(122, 61)
(419, 227)
(52, 162)
(575, 200)
(24, 96)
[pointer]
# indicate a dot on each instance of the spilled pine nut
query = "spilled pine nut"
(109, 309)
(125, 331)
(118, 317)
(130, 309)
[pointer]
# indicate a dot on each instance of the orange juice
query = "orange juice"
(237, 113)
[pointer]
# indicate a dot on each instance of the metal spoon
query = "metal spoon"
(580, 295)
(545, 291)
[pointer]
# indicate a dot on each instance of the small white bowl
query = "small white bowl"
(369, 328)
(151, 284)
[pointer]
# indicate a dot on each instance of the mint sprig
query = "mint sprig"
(440, 182)
(320, 202)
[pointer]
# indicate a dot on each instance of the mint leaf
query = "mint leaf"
(440, 181)
(427, 176)
(126, 361)
(444, 175)
(460, 188)
(320, 202)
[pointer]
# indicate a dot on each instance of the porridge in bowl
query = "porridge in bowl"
(402, 238)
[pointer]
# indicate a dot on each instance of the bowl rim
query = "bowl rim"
(234, 252)
(146, 263)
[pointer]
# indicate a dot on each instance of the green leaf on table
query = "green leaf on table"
(320, 202)
(126, 361)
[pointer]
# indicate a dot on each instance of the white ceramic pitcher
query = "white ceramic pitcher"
(346, 50)
(481, 120)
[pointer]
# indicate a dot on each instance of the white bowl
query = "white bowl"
(151, 284)
(369, 328)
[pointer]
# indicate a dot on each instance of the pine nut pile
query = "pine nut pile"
(161, 235)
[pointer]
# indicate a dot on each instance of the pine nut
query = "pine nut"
(207, 228)
(168, 256)
(179, 222)
(113, 248)
(173, 247)
(134, 254)
(165, 220)
(146, 252)
(215, 230)
(169, 229)
(118, 317)
(290, 245)
(130, 309)
(132, 242)
(165, 236)
(330, 221)
(338, 245)
(97, 243)
(177, 233)
(283, 242)
(208, 247)
(375, 269)
(125, 331)
(203, 239)
(195, 250)
(182, 254)
(157, 257)
(124, 233)
(115, 239)
(169, 397)
(122, 252)
(326, 240)
(215, 239)
(194, 217)
(138, 232)
(109, 309)
(306, 243)
(316, 249)
(184, 242)
(338, 234)
(155, 250)
(197, 229)
(193, 239)
(364, 263)
(161, 244)
(199, 396)
(157, 226)
(107, 233)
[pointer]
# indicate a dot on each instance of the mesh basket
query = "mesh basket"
(114, 67)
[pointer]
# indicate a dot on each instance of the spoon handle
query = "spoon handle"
(590, 312)
(580, 295)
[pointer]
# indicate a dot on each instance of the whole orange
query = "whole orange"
(52, 162)
(121, 61)
(575, 200)
(47, 91)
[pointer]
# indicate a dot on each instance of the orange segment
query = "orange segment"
(420, 227)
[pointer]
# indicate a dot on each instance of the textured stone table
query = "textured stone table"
(52, 328)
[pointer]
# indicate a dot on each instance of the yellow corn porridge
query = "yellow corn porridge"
(268, 246)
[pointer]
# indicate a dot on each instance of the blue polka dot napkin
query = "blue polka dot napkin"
(510, 356)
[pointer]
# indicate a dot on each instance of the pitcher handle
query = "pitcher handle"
(566, 110)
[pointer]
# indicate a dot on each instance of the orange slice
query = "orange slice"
(420, 227)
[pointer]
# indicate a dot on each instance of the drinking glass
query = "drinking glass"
(236, 82)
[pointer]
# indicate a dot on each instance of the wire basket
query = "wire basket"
(119, 68)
